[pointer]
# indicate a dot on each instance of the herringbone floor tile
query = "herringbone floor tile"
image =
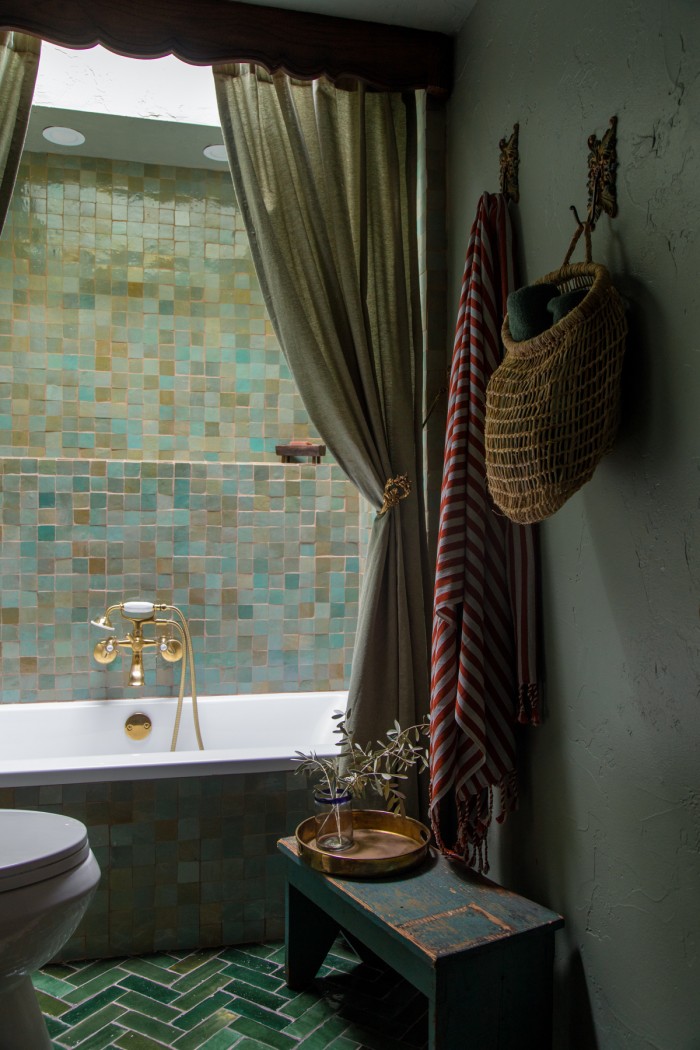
(231, 997)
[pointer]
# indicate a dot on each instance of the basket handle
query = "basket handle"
(581, 228)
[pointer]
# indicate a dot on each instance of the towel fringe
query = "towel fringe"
(475, 812)
(529, 706)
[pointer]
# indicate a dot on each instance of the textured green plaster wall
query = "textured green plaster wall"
(608, 831)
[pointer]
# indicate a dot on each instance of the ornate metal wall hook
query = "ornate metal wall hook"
(509, 164)
(602, 174)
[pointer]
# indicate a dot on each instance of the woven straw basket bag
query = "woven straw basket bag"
(552, 406)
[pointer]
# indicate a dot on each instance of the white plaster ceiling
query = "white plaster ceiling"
(163, 111)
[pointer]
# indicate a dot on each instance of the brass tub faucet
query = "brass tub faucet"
(170, 638)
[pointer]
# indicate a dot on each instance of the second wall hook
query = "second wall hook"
(602, 174)
(509, 164)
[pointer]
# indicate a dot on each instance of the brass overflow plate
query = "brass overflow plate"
(137, 726)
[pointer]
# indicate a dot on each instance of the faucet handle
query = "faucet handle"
(170, 649)
(106, 650)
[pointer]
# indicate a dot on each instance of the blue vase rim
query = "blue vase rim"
(331, 800)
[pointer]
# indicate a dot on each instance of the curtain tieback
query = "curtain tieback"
(395, 490)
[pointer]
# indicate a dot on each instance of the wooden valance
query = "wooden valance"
(203, 32)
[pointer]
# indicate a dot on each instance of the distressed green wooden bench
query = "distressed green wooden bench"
(481, 954)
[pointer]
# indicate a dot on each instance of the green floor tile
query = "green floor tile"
(230, 999)
(92, 1006)
(151, 1007)
(51, 985)
(324, 1034)
(225, 1039)
(150, 1026)
(264, 1035)
(102, 1039)
(272, 982)
(191, 999)
(301, 1002)
(91, 1025)
(262, 951)
(49, 1005)
(258, 1013)
(249, 960)
(60, 970)
(136, 1041)
(197, 977)
(149, 988)
(143, 968)
(210, 1026)
(310, 1019)
(86, 991)
(54, 1027)
(218, 1001)
(250, 1044)
(165, 960)
(92, 970)
(191, 962)
(255, 994)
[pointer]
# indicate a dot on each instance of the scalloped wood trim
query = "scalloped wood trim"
(204, 32)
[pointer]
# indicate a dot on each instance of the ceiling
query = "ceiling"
(442, 16)
(160, 124)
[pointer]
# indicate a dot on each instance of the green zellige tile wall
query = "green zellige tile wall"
(142, 392)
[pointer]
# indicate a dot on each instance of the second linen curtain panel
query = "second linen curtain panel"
(325, 179)
(19, 64)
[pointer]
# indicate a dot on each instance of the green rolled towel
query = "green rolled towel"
(561, 305)
(527, 310)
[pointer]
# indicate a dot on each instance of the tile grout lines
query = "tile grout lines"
(225, 998)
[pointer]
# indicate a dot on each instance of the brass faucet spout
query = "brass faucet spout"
(136, 674)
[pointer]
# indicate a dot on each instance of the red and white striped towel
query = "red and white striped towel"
(484, 645)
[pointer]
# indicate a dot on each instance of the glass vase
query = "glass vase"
(333, 822)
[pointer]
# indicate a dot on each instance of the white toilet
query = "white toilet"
(47, 878)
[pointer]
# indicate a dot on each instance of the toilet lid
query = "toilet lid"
(36, 846)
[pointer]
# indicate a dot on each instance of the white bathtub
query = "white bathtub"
(85, 740)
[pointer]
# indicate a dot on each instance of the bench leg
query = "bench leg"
(498, 1000)
(309, 934)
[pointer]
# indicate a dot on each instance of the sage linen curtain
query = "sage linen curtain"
(326, 181)
(19, 62)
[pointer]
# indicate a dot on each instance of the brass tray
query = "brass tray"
(384, 844)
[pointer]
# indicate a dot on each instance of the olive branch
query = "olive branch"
(357, 769)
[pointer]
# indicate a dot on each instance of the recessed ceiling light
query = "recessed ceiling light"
(217, 152)
(63, 136)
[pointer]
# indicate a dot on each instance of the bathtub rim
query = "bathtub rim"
(155, 765)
